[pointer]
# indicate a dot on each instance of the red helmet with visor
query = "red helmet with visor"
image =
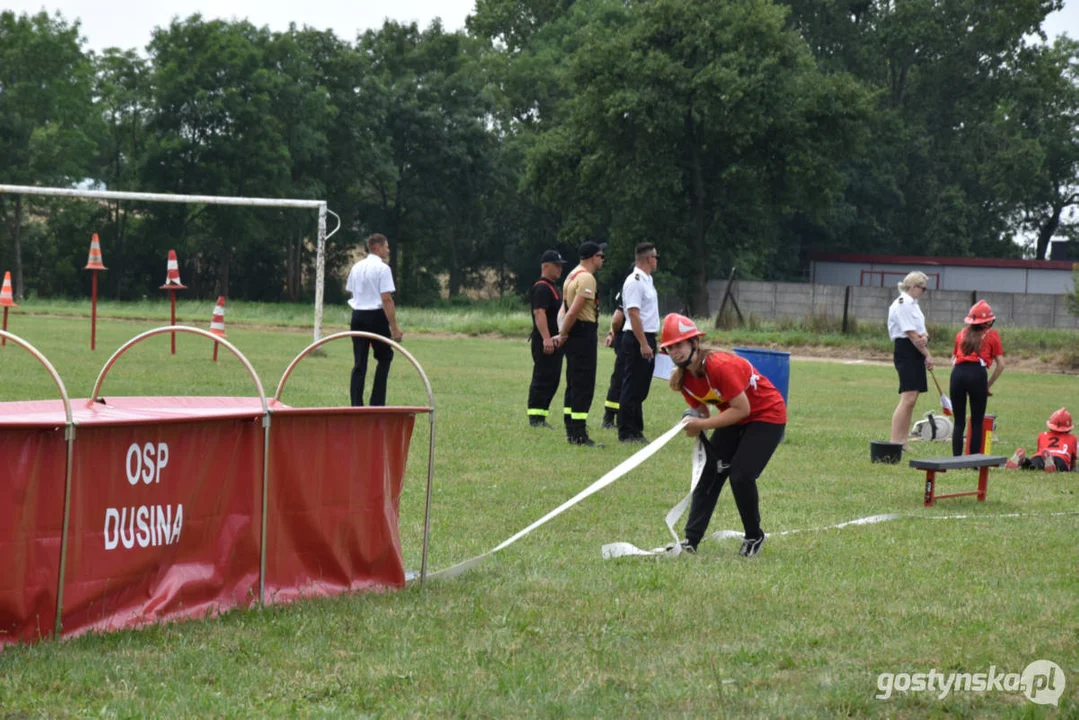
(677, 328)
(980, 314)
(1060, 421)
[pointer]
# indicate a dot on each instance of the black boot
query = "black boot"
(578, 435)
(538, 421)
(610, 420)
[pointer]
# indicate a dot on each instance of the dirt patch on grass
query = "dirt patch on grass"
(1050, 364)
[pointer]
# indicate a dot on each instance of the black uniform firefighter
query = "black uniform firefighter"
(546, 355)
(578, 337)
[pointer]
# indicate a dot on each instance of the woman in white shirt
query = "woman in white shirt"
(906, 327)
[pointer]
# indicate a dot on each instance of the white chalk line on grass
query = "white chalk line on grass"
(623, 549)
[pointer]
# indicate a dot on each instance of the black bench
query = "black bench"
(934, 465)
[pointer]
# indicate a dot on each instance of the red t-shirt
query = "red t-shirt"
(1061, 445)
(991, 348)
(727, 376)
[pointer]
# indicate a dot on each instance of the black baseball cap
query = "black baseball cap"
(589, 249)
(552, 256)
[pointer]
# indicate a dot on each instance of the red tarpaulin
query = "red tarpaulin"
(166, 508)
(164, 522)
(335, 487)
(31, 520)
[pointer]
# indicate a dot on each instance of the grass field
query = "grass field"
(1049, 350)
(547, 628)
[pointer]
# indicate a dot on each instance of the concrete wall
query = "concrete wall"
(770, 301)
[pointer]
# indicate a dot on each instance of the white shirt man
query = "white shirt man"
(367, 280)
(373, 311)
(638, 349)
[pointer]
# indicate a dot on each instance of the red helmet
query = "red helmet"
(677, 328)
(1060, 421)
(980, 314)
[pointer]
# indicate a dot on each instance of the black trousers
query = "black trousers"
(614, 390)
(581, 354)
(741, 453)
(546, 372)
(1038, 463)
(636, 382)
(372, 321)
(969, 380)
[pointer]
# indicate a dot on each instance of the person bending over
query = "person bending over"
(745, 431)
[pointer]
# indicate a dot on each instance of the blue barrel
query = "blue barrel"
(773, 364)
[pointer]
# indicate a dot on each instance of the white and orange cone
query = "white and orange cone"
(94, 261)
(172, 276)
(217, 322)
(7, 298)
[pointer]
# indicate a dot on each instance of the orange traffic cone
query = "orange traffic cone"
(217, 322)
(172, 277)
(7, 299)
(94, 262)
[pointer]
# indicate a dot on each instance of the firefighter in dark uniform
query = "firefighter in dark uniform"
(546, 355)
(614, 340)
(578, 336)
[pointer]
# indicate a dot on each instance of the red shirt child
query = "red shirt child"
(727, 376)
(1058, 444)
(1055, 444)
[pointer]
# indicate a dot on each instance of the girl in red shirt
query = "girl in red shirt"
(747, 428)
(977, 347)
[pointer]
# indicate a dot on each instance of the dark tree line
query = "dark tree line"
(742, 133)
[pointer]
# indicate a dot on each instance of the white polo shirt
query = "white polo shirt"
(367, 280)
(903, 315)
(638, 291)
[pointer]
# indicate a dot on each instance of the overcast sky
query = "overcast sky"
(128, 23)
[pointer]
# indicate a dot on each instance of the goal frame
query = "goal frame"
(319, 205)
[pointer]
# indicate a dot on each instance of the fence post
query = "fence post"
(846, 307)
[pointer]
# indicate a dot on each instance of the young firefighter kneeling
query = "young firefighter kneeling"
(748, 427)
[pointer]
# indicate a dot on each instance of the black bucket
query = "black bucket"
(885, 452)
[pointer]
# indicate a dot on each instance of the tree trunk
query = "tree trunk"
(16, 238)
(456, 279)
(298, 279)
(698, 206)
(1046, 232)
(121, 229)
(292, 272)
(223, 277)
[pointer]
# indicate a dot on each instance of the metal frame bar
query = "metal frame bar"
(431, 445)
(174, 329)
(69, 438)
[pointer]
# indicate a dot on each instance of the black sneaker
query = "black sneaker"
(687, 547)
(751, 547)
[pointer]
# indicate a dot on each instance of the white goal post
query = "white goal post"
(320, 205)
